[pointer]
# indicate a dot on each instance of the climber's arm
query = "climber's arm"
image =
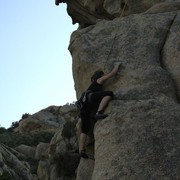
(109, 75)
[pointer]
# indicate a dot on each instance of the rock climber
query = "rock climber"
(98, 99)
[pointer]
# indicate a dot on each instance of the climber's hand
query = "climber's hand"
(118, 64)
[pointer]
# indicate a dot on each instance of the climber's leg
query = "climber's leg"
(102, 98)
(82, 144)
(103, 104)
(85, 125)
(82, 141)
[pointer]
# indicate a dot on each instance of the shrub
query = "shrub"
(6, 176)
(14, 124)
(2, 130)
(24, 116)
(12, 139)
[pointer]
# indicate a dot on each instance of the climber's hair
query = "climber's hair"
(97, 75)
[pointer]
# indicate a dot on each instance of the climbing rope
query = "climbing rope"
(125, 4)
(122, 13)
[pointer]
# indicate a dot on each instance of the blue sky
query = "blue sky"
(35, 64)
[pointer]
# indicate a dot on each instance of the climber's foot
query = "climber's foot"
(100, 116)
(83, 154)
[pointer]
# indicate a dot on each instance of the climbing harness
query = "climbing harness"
(82, 101)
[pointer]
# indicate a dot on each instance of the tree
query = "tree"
(24, 116)
(14, 124)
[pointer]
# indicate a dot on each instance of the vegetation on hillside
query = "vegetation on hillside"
(12, 139)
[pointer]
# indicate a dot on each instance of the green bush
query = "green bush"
(24, 116)
(6, 176)
(12, 139)
(2, 130)
(15, 124)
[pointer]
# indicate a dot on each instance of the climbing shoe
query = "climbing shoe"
(83, 154)
(100, 116)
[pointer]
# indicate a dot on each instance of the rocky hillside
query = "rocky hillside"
(44, 146)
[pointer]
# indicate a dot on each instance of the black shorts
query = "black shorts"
(93, 104)
(96, 97)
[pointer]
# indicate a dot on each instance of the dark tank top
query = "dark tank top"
(95, 87)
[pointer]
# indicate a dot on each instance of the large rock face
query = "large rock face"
(140, 137)
(49, 118)
(87, 12)
(59, 158)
